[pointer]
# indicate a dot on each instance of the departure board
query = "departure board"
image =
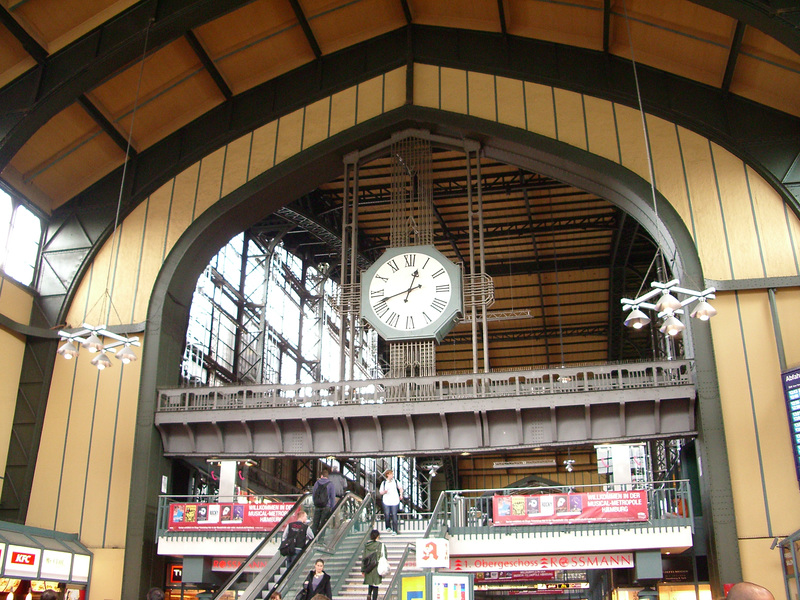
(791, 393)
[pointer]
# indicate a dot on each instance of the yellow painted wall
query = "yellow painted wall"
(15, 303)
(739, 223)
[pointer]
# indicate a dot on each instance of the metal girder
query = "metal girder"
(301, 18)
(209, 64)
(433, 427)
(30, 45)
(621, 248)
(733, 55)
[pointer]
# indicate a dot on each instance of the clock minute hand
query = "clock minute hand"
(414, 276)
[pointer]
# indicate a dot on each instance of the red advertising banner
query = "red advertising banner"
(590, 507)
(226, 516)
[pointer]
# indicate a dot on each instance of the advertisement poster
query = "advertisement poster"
(588, 507)
(226, 516)
(451, 587)
(412, 587)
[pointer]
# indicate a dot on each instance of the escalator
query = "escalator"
(338, 544)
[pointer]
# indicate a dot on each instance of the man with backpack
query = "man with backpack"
(296, 536)
(324, 498)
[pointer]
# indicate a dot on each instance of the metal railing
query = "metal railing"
(339, 544)
(470, 512)
(535, 382)
(241, 576)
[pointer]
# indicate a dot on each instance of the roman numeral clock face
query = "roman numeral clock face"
(412, 292)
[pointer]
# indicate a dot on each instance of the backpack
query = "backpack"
(288, 545)
(369, 563)
(320, 495)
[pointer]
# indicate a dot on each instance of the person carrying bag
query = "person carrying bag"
(374, 554)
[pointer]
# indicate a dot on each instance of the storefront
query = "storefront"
(33, 560)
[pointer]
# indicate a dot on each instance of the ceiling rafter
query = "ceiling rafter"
(733, 56)
(301, 18)
(208, 64)
(31, 46)
(106, 125)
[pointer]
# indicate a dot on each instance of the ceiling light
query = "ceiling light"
(672, 326)
(101, 361)
(703, 311)
(126, 355)
(69, 350)
(93, 343)
(637, 319)
(667, 302)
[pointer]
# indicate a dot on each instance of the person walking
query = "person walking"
(324, 498)
(299, 534)
(371, 577)
(339, 482)
(391, 493)
(317, 582)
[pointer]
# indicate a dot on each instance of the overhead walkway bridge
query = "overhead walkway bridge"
(431, 415)
(465, 518)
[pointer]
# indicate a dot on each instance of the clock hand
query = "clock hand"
(414, 275)
(408, 291)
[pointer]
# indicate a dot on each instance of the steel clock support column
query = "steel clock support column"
(411, 224)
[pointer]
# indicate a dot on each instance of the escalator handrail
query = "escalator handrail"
(277, 530)
(316, 546)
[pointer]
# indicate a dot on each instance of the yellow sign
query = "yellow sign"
(413, 588)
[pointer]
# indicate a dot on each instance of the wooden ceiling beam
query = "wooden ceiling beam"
(606, 25)
(208, 64)
(406, 11)
(30, 45)
(301, 18)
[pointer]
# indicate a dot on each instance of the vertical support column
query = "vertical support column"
(485, 324)
(343, 270)
(471, 228)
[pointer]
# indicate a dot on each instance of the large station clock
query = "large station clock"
(412, 293)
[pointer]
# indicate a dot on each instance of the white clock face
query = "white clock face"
(410, 291)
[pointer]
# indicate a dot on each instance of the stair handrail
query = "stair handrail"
(326, 542)
(438, 514)
(277, 530)
(395, 581)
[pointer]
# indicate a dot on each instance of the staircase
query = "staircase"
(354, 588)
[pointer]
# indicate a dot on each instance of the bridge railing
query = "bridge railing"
(534, 382)
(474, 512)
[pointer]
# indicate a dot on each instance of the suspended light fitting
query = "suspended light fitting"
(668, 306)
(98, 340)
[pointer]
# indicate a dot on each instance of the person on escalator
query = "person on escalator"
(324, 497)
(297, 535)
(317, 582)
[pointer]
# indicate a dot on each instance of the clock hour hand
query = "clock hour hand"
(406, 292)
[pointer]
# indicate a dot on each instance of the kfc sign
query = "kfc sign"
(22, 561)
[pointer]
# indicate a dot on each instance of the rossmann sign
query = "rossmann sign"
(610, 560)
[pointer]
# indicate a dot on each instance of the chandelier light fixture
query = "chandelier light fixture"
(668, 307)
(98, 339)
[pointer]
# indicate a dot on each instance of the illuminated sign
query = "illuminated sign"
(610, 560)
(584, 507)
(56, 565)
(176, 573)
(226, 516)
(22, 561)
(80, 567)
